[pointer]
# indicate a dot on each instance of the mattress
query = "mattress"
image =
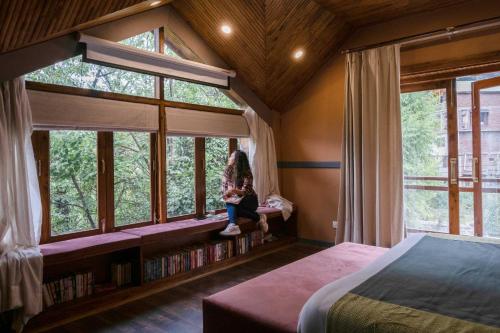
(427, 283)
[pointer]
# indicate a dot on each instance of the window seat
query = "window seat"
(158, 232)
(84, 247)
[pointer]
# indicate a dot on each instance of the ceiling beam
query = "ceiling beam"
(205, 54)
(129, 23)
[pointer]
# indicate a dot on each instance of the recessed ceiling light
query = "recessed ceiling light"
(154, 3)
(225, 28)
(298, 54)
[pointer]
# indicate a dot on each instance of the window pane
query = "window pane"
(132, 177)
(217, 151)
(73, 181)
(425, 160)
(187, 92)
(180, 176)
(74, 72)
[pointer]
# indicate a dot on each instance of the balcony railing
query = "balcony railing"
(445, 187)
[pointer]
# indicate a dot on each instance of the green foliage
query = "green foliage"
(217, 151)
(422, 140)
(132, 177)
(73, 157)
(73, 181)
(180, 176)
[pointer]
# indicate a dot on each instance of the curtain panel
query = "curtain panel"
(20, 207)
(371, 192)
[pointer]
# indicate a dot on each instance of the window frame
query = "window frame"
(105, 182)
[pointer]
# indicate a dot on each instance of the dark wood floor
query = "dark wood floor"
(179, 309)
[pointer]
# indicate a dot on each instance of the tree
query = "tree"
(73, 157)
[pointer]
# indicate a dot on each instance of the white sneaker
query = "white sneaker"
(263, 223)
(231, 230)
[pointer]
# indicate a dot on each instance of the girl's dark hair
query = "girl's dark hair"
(242, 167)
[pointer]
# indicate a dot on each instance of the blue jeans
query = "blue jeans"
(246, 208)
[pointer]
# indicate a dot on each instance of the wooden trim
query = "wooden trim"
(181, 218)
(153, 165)
(453, 194)
(161, 143)
(41, 144)
(442, 70)
(420, 86)
(199, 107)
(133, 225)
(233, 145)
(58, 89)
(476, 147)
(200, 173)
(105, 184)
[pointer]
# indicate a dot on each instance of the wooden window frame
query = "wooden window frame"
(105, 160)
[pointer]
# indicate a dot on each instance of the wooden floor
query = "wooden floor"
(179, 309)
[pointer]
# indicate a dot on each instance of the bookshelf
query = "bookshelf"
(102, 261)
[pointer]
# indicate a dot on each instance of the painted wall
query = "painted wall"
(311, 128)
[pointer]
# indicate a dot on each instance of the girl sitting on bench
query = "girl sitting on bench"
(239, 195)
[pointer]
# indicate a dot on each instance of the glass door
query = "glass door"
(486, 156)
(430, 157)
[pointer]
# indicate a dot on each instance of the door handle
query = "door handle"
(475, 177)
(453, 170)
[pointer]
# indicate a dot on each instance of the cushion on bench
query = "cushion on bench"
(272, 302)
(83, 247)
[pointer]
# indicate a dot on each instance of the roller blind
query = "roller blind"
(62, 111)
(127, 57)
(202, 123)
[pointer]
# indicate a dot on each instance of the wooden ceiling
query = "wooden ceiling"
(25, 22)
(266, 32)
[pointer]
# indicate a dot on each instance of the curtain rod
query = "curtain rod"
(448, 32)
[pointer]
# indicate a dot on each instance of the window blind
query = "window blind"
(127, 57)
(63, 111)
(202, 123)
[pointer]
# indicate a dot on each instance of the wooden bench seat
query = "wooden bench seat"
(85, 247)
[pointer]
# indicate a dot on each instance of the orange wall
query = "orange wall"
(311, 127)
(311, 130)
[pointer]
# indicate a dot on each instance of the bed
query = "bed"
(271, 303)
(427, 283)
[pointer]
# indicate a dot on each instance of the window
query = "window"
(484, 117)
(216, 155)
(187, 92)
(132, 177)
(73, 182)
(180, 176)
(74, 72)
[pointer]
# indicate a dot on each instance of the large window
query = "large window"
(74, 72)
(73, 181)
(216, 155)
(106, 180)
(187, 92)
(132, 178)
(180, 176)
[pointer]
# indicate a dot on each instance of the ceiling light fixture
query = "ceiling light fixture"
(154, 3)
(298, 54)
(225, 28)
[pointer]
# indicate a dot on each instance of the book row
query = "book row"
(186, 259)
(68, 288)
(121, 273)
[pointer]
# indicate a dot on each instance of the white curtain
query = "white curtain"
(20, 207)
(262, 156)
(371, 193)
